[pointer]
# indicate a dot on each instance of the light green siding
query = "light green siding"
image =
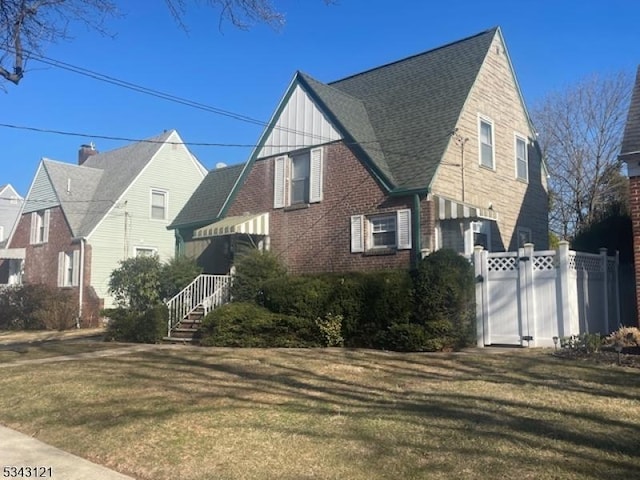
(129, 224)
(41, 195)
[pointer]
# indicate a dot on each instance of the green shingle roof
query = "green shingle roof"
(206, 203)
(631, 140)
(401, 115)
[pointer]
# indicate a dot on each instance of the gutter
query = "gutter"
(82, 241)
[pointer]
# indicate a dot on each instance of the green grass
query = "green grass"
(193, 413)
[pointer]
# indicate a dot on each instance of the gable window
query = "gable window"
(158, 205)
(298, 178)
(39, 227)
(381, 232)
(522, 161)
(68, 268)
(486, 143)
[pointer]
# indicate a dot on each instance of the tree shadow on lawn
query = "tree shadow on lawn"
(406, 392)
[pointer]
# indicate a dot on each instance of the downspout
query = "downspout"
(415, 231)
(179, 243)
(81, 281)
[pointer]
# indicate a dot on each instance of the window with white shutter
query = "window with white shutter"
(69, 269)
(298, 179)
(279, 182)
(357, 233)
(39, 232)
(388, 231)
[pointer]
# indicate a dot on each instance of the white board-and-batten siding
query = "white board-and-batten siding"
(300, 125)
(172, 170)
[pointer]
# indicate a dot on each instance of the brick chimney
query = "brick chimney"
(85, 152)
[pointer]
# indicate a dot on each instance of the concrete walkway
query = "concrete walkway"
(19, 450)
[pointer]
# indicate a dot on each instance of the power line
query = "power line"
(154, 93)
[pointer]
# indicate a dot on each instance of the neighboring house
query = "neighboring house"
(80, 220)
(10, 260)
(630, 153)
(383, 167)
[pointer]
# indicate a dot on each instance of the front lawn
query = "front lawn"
(198, 413)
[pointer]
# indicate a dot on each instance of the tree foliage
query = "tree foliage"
(136, 283)
(27, 26)
(581, 131)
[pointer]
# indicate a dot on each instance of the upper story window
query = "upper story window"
(486, 138)
(39, 227)
(522, 160)
(298, 178)
(158, 205)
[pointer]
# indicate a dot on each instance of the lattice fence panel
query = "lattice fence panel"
(502, 264)
(586, 263)
(544, 262)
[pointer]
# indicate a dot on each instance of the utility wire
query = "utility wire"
(155, 93)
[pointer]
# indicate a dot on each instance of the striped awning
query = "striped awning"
(257, 224)
(447, 209)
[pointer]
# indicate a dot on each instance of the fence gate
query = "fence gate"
(526, 298)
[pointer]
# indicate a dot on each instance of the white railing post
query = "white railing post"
(617, 280)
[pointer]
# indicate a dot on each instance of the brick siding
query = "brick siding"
(41, 261)
(318, 238)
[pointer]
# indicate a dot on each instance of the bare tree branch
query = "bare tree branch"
(580, 134)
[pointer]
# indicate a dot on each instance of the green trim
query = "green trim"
(179, 244)
(415, 230)
(372, 167)
(403, 192)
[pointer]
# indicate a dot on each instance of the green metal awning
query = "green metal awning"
(447, 209)
(256, 224)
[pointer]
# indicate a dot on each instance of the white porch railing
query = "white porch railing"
(206, 291)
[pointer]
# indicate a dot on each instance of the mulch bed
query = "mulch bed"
(630, 357)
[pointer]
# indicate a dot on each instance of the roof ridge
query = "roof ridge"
(166, 133)
(410, 57)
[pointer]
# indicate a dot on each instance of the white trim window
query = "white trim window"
(69, 268)
(522, 158)
(486, 143)
(145, 251)
(523, 235)
(381, 232)
(40, 227)
(159, 201)
(298, 178)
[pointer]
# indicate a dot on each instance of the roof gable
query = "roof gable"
(297, 123)
(414, 104)
(8, 191)
(41, 194)
(631, 139)
(206, 204)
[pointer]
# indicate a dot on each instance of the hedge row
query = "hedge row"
(37, 307)
(430, 308)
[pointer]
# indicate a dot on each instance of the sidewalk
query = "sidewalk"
(19, 450)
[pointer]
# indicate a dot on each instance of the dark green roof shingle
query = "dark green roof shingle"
(402, 114)
(205, 205)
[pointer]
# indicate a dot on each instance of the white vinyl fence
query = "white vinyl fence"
(526, 298)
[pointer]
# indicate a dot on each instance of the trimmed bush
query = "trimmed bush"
(443, 299)
(303, 296)
(136, 283)
(127, 325)
(37, 307)
(405, 337)
(252, 270)
(249, 325)
(176, 274)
